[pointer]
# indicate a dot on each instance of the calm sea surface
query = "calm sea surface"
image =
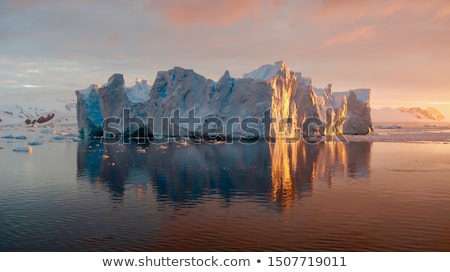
(333, 196)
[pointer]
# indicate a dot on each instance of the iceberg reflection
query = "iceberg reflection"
(298, 167)
(278, 172)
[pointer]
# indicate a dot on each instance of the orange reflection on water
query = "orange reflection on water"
(300, 167)
(331, 159)
(284, 163)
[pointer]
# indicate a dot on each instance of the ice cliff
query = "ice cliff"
(269, 101)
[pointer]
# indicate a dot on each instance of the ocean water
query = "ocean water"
(331, 196)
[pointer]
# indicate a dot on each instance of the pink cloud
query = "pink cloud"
(213, 13)
(359, 33)
(349, 11)
(344, 10)
(393, 8)
(443, 13)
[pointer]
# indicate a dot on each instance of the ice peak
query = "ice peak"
(268, 71)
(178, 69)
(141, 82)
(115, 77)
(429, 113)
(329, 89)
(225, 76)
(116, 80)
(282, 65)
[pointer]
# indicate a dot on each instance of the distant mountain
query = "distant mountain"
(403, 114)
(42, 108)
(429, 113)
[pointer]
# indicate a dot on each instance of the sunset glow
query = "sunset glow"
(399, 49)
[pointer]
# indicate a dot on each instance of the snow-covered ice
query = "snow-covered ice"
(16, 109)
(407, 115)
(266, 71)
(272, 90)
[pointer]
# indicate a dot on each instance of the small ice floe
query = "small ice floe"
(23, 149)
(10, 136)
(35, 143)
(47, 131)
(75, 139)
(141, 150)
(20, 137)
(59, 137)
(388, 127)
(71, 135)
(163, 147)
(184, 141)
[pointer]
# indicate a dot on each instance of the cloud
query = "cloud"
(342, 11)
(212, 13)
(382, 44)
(443, 13)
(355, 35)
(351, 11)
(30, 86)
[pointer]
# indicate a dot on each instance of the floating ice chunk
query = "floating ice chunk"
(72, 135)
(388, 127)
(48, 131)
(141, 150)
(23, 149)
(35, 143)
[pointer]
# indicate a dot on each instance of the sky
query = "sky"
(399, 49)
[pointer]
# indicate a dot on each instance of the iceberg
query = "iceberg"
(89, 115)
(271, 101)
